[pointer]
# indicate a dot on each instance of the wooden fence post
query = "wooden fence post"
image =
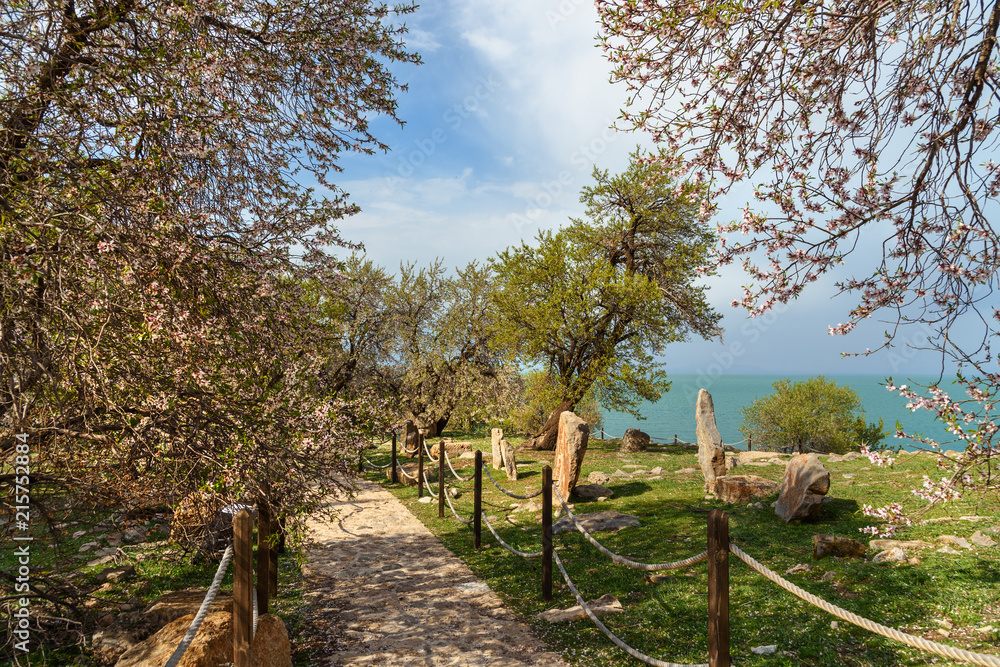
(263, 555)
(547, 533)
(749, 443)
(441, 480)
(242, 588)
(718, 589)
(420, 465)
(395, 474)
(477, 503)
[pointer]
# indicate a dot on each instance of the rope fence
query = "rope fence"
(213, 590)
(716, 555)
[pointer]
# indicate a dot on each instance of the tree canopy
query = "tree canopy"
(592, 303)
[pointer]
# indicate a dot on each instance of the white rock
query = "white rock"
(425, 499)
(981, 540)
(765, 650)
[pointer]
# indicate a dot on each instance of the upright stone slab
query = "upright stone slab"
(711, 455)
(805, 486)
(571, 445)
(509, 463)
(411, 439)
(496, 435)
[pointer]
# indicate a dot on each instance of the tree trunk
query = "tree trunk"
(545, 439)
(434, 427)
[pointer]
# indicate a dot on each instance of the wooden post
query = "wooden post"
(420, 465)
(547, 533)
(718, 589)
(242, 588)
(675, 438)
(441, 480)
(361, 460)
(749, 443)
(477, 503)
(263, 555)
(395, 473)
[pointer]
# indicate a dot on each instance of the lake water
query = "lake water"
(674, 412)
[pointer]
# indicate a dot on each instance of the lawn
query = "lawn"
(954, 599)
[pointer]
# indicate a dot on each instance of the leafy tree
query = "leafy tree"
(539, 392)
(814, 414)
(862, 126)
(592, 303)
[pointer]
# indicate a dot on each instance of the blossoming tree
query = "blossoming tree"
(859, 125)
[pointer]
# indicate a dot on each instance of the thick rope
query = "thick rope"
(448, 500)
(457, 476)
(203, 610)
(503, 490)
(621, 560)
(507, 546)
(622, 645)
(373, 465)
(256, 613)
(427, 486)
(910, 640)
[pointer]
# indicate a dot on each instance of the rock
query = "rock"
(905, 545)
(805, 485)
(711, 455)
(834, 625)
(454, 493)
(425, 499)
(114, 540)
(531, 506)
(134, 535)
(831, 545)
(597, 522)
(948, 550)
(213, 645)
(509, 463)
(731, 462)
(467, 455)
(78, 534)
(656, 471)
(598, 477)
(116, 574)
(171, 606)
(947, 625)
(985, 630)
(747, 457)
(411, 439)
(634, 440)
(828, 576)
(453, 448)
(408, 479)
(593, 491)
(796, 569)
(893, 555)
(270, 646)
(982, 540)
(571, 446)
(602, 606)
(100, 561)
(954, 541)
(496, 435)
(743, 488)
(685, 471)
(764, 650)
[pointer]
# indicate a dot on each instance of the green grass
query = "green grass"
(668, 619)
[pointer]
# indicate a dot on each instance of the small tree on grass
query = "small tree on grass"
(814, 414)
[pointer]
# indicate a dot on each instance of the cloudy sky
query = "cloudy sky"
(505, 120)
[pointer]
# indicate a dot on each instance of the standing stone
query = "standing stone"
(711, 455)
(571, 445)
(634, 440)
(411, 439)
(496, 436)
(509, 464)
(805, 486)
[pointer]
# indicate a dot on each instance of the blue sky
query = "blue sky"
(505, 120)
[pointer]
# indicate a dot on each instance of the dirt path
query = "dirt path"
(401, 598)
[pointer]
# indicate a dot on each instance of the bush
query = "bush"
(814, 414)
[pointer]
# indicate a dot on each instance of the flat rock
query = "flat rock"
(905, 545)
(597, 522)
(981, 540)
(744, 488)
(406, 473)
(796, 569)
(747, 457)
(948, 550)
(593, 491)
(602, 606)
(955, 541)
(893, 555)
(598, 477)
(686, 471)
(831, 545)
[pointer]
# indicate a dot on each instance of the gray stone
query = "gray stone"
(905, 545)
(571, 446)
(634, 440)
(496, 435)
(796, 569)
(803, 489)
(134, 535)
(593, 491)
(893, 555)
(116, 574)
(711, 455)
(954, 541)
(509, 463)
(948, 550)
(597, 522)
(598, 477)
(981, 540)
(602, 606)
(764, 650)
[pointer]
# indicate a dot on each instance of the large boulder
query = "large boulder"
(804, 488)
(496, 435)
(509, 463)
(213, 645)
(410, 470)
(711, 455)
(634, 440)
(571, 445)
(270, 646)
(597, 522)
(735, 489)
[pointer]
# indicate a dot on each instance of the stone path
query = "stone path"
(402, 598)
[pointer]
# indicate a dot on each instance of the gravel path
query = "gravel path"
(401, 598)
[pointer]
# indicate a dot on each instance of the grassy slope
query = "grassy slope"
(667, 619)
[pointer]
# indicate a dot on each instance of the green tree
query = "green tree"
(814, 414)
(539, 392)
(593, 303)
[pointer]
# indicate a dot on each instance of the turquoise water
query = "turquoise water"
(674, 413)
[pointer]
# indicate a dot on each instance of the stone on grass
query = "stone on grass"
(948, 550)
(743, 488)
(634, 440)
(731, 462)
(593, 491)
(407, 479)
(747, 457)
(764, 650)
(425, 499)
(116, 574)
(509, 463)
(905, 545)
(571, 446)
(954, 541)
(982, 540)
(496, 435)
(893, 555)
(711, 455)
(597, 522)
(796, 569)
(134, 535)
(831, 545)
(804, 488)
(598, 477)
(685, 471)
(602, 606)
